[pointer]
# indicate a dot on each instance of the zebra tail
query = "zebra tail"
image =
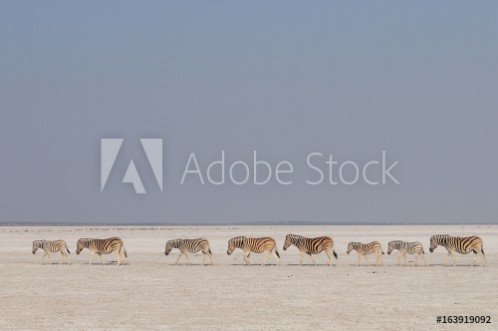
(382, 252)
(276, 252)
(209, 250)
(124, 251)
(335, 254)
(67, 249)
(423, 252)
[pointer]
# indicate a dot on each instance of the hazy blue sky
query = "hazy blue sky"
(286, 78)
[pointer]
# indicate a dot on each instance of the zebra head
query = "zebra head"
(170, 244)
(438, 239)
(37, 244)
(289, 240)
(391, 246)
(351, 247)
(80, 245)
(234, 243)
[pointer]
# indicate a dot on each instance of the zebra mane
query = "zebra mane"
(39, 243)
(441, 239)
(237, 241)
(84, 242)
(440, 236)
(173, 242)
(294, 238)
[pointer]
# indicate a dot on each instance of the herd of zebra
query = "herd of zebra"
(267, 245)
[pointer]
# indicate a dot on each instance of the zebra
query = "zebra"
(256, 245)
(311, 246)
(365, 249)
(52, 247)
(103, 246)
(462, 245)
(404, 247)
(189, 245)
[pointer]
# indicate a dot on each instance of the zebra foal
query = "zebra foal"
(361, 249)
(189, 246)
(52, 247)
(404, 248)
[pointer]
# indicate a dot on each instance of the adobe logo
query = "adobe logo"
(109, 150)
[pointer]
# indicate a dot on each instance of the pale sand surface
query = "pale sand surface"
(150, 292)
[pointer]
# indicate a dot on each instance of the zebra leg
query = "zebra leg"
(204, 255)
(119, 257)
(178, 258)
(49, 258)
(379, 257)
(446, 258)
(366, 259)
(358, 258)
(91, 257)
(453, 258)
(329, 254)
(423, 258)
(404, 258)
(101, 258)
(247, 258)
(265, 259)
(302, 257)
(312, 259)
(485, 264)
(188, 258)
(474, 257)
(60, 258)
(398, 259)
(276, 257)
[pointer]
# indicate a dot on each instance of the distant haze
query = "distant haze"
(283, 78)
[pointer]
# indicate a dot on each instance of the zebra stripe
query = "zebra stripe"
(52, 247)
(255, 245)
(311, 246)
(462, 245)
(404, 248)
(103, 246)
(373, 247)
(190, 246)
